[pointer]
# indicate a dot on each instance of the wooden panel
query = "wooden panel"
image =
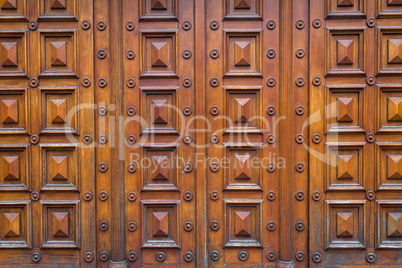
(176, 133)
(357, 138)
(46, 179)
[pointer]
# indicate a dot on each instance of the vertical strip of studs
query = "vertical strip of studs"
(187, 101)
(270, 103)
(33, 39)
(132, 105)
(369, 109)
(300, 56)
(214, 109)
(87, 129)
(103, 124)
(316, 133)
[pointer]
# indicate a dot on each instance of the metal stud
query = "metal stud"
(316, 23)
(271, 255)
(187, 54)
(271, 24)
(243, 255)
(132, 256)
(132, 226)
(271, 195)
(130, 25)
(214, 25)
(160, 256)
(87, 196)
(86, 24)
(316, 195)
(132, 196)
(103, 226)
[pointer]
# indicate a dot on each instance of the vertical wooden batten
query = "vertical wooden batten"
(117, 169)
(286, 255)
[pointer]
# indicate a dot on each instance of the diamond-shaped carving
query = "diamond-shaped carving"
(242, 223)
(242, 110)
(345, 52)
(9, 54)
(394, 223)
(346, 3)
(161, 169)
(11, 167)
(242, 4)
(394, 50)
(12, 224)
(60, 224)
(345, 109)
(160, 111)
(159, 4)
(58, 53)
(395, 109)
(344, 224)
(242, 53)
(159, 54)
(59, 167)
(160, 223)
(395, 2)
(345, 166)
(394, 166)
(243, 167)
(59, 110)
(58, 4)
(9, 110)
(8, 4)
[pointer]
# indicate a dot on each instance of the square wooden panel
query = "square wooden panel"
(160, 226)
(243, 9)
(15, 224)
(59, 109)
(389, 111)
(159, 108)
(14, 167)
(60, 167)
(159, 54)
(14, 113)
(58, 10)
(243, 109)
(58, 55)
(346, 223)
(160, 170)
(389, 50)
(345, 51)
(13, 53)
(345, 8)
(158, 9)
(345, 166)
(242, 53)
(243, 223)
(389, 166)
(345, 108)
(243, 169)
(13, 10)
(389, 224)
(60, 224)
(389, 8)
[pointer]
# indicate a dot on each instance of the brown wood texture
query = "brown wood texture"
(201, 133)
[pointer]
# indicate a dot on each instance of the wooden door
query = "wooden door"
(252, 152)
(159, 106)
(356, 206)
(46, 154)
(204, 133)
